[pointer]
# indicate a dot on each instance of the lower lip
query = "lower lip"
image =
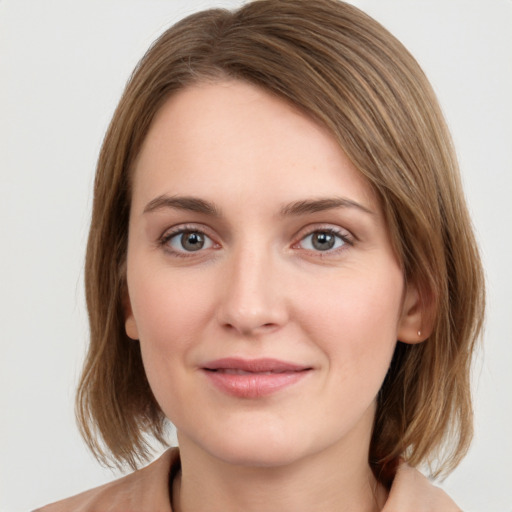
(254, 385)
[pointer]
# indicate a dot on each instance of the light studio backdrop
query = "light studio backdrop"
(63, 65)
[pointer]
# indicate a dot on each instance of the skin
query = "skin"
(259, 287)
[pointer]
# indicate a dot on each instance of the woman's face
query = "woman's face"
(262, 283)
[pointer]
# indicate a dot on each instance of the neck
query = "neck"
(338, 479)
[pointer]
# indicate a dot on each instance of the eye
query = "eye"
(323, 240)
(188, 241)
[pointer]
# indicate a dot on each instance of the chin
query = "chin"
(264, 455)
(262, 448)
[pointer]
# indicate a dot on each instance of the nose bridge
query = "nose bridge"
(252, 299)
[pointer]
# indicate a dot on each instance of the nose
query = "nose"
(254, 294)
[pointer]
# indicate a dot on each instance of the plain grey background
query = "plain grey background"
(63, 64)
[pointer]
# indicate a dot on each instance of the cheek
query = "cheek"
(171, 313)
(162, 309)
(355, 324)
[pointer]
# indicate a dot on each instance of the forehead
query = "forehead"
(211, 138)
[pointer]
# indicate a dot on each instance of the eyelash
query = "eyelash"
(169, 235)
(181, 230)
(341, 235)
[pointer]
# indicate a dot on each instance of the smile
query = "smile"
(253, 378)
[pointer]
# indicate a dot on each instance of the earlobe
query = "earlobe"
(415, 324)
(130, 326)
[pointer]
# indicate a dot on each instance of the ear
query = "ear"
(130, 326)
(416, 320)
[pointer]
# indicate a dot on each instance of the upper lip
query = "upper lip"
(254, 365)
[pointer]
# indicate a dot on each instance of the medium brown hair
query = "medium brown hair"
(342, 68)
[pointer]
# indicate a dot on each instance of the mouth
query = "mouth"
(253, 378)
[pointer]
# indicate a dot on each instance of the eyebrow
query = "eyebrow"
(319, 205)
(296, 208)
(193, 204)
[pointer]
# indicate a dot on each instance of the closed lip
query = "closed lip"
(253, 378)
(263, 365)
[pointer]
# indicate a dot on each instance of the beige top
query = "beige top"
(147, 490)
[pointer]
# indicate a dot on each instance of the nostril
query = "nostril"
(251, 318)
(249, 330)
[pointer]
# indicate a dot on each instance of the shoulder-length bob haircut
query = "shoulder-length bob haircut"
(343, 69)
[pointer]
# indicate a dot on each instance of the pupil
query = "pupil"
(192, 241)
(323, 241)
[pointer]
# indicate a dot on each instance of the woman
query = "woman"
(281, 263)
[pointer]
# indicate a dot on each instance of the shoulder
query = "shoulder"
(413, 491)
(145, 490)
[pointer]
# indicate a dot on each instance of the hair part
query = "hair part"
(346, 71)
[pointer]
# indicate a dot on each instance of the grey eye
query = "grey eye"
(190, 241)
(322, 241)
